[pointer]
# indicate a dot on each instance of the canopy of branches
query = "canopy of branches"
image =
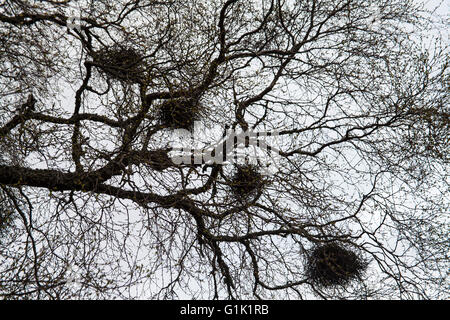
(353, 203)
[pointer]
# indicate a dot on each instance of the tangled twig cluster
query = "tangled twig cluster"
(333, 264)
(246, 182)
(120, 63)
(6, 214)
(180, 113)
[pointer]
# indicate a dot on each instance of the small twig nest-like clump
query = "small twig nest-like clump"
(332, 264)
(120, 63)
(6, 217)
(246, 182)
(180, 113)
(159, 160)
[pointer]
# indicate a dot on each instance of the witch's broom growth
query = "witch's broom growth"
(120, 63)
(246, 182)
(333, 264)
(180, 113)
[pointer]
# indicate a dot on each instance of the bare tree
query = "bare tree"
(94, 206)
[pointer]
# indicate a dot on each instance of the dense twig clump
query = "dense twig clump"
(120, 63)
(159, 160)
(4, 217)
(334, 265)
(180, 113)
(246, 182)
(6, 214)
